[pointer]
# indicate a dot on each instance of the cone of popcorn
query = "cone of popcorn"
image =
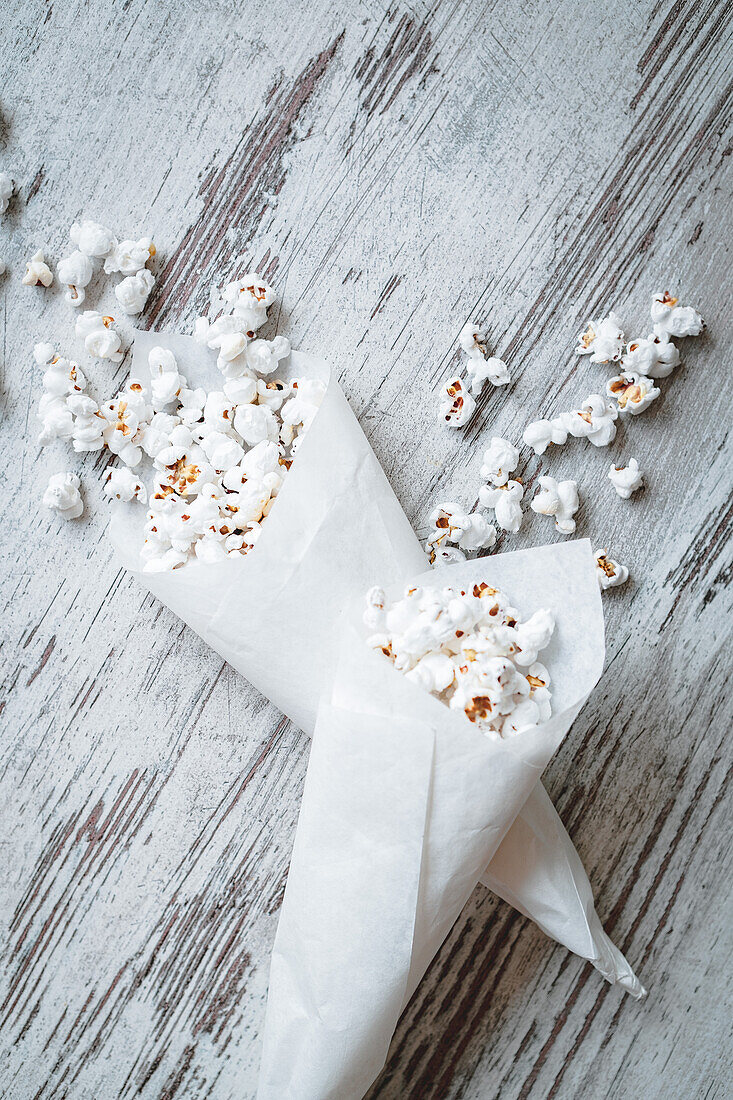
(335, 529)
(436, 733)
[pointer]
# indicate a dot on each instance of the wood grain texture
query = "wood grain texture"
(394, 170)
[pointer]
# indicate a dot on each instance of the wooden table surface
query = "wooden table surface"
(394, 171)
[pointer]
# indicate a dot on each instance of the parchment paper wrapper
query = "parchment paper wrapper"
(404, 805)
(336, 529)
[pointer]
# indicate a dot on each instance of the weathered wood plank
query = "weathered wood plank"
(393, 171)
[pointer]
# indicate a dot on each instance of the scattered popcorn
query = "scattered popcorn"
(458, 406)
(75, 273)
(91, 238)
(470, 651)
(121, 484)
(671, 319)
(6, 190)
(506, 502)
(655, 357)
(132, 293)
(626, 479)
(541, 433)
(500, 460)
(609, 572)
(450, 524)
(602, 340)
(37, 271)
(129, 257)
(100, 340)
(472, 340)
(593, 421)
(446, 555)
(558, 499)
(633, 392)
(63, 496)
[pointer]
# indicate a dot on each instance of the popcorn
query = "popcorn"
(43, 353)
(470, 651)
(6, 190)
(655, 357)
(256, 423)
(632, 391)
(91, 238)
(37, 271)
(626, 479)
(558, 499)
(602, 340)
(57, 420)
(481, 369)
(100, 339)
(63, 496)
(75, 272)
(609, 572)
(88, 425)
(451, 524)
(272, 393)
(263, 356)
(506, 502)
(129, 257)
(132, 293)
(299, 410)
(242, 391)
(121, 484)
(472, 340)
(671, 319)
(63, 376)
(500, 460)
(446, 555)
(593, 421)
(249, 298)
(166, 384)
(458, 406)
(541, 433)
(123, 416)
(191, 405)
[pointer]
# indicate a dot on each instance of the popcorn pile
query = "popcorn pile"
(470, 650)
(95, 246)
(630, 392)
(218, 459)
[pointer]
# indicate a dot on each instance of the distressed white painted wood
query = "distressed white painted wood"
(395, 170)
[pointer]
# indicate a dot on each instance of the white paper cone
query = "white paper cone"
(336, 529)
(404, 805)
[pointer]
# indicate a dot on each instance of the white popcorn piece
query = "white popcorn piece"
(88, 426)
(558, 499)
(62, 495)
(602, 340)
(500, 459)
(91, 238)
(264, 356)
(671, 319)
(57, 419)
(457, 406)
(6, 190)
(37, 271)
(272, 393)
(470, 650)
(242, 391)
(298, 412)
(129, 257)
(609, 572)
(121, 484)
(506, 501)
(75, 273)
(655, 357)
(626, 479)
(450, 524)
(472, 340)
(166, 382)
(249, 298)
(445, 554)
(632, 391)
(595, 420)
(43, 353)
(101, 341)
(541, 433)
(132, 293)
(256, 423)
(63, 377)
(124, 415)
